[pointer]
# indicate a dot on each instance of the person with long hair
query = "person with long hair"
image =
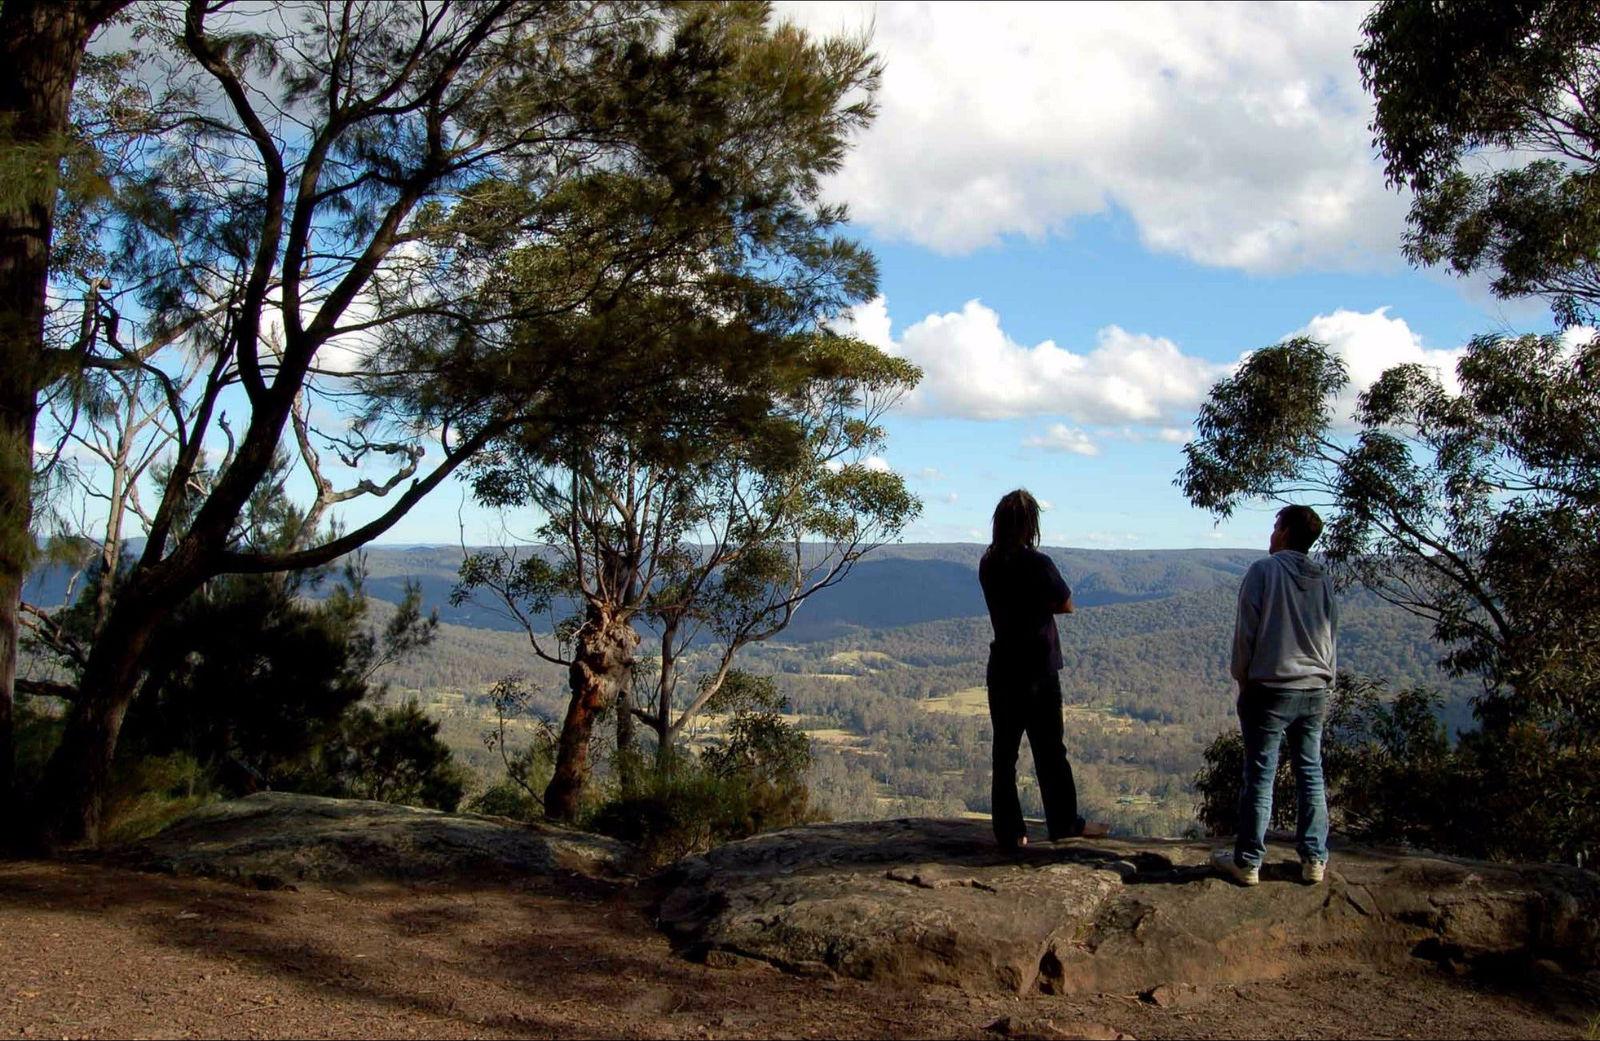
(1024, 592)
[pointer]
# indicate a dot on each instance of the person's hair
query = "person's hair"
(1016, 523)
(1301, 524)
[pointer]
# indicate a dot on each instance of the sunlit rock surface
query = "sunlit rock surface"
(932, 901)
(273, 839)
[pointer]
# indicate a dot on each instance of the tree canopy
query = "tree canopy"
(399, 231)
(1477, 510)
(709, 536)
(1490, 113)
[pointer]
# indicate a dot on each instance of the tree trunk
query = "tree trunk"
(41, 46)
(71, 797)
(626, 764)
(665, 686)
(601, 668)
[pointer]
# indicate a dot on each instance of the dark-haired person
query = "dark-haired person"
(1025, 592)
(1285, 639)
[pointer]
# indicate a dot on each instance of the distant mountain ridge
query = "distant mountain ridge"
(898, 585)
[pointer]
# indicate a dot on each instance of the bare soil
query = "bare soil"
(91, 951)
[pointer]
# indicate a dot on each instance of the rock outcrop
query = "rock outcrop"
(274, 839)
(931, 901)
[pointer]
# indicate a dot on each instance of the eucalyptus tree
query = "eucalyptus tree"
(408, 229)
(1475, 507)
(1490, 113)
(709, 536)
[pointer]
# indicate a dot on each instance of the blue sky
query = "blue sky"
(1084, 213)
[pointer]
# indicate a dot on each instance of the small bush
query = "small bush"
(392, 755)
(686, 808)
(1393, 778)
(754, 782)
(506, 799)
(151, 792)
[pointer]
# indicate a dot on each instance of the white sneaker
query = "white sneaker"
(1224, 864)
(1311, 871)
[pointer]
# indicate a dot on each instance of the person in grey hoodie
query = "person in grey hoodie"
(1285, 641)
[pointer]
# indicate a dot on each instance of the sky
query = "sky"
(1084, 214)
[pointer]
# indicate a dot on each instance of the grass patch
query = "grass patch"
(973, 701)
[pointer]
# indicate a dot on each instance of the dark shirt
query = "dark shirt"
(1024, 591)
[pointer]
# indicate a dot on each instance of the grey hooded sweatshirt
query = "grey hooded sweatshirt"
(1287, 630)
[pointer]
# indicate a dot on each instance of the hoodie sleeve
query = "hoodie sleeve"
(1247, 622)
(1333, 628)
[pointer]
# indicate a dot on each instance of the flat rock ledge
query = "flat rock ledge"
(922, 901)
(277, 839)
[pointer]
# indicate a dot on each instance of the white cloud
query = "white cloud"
(972, 369)
(1232, 134)
(1371, 342)
(1167, 435)
(1129, 386)
(952, 498)
(931, 473)
(877, 464)
(1046, 504)
(1062, 438)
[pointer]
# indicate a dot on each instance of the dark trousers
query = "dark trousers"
(1030, 704)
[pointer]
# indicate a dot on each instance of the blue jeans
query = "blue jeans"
(1266, 717)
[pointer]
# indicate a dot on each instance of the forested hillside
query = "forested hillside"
(896, 707)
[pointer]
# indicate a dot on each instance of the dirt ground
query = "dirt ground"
(89, 951)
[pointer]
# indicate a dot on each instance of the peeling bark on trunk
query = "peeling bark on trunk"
(601, 669)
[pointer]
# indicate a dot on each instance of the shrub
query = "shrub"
(506, 799)
(752, 783)
(1393, 778)
(391, 755)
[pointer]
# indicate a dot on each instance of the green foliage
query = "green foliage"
(250, 686)
(758, 743)
(1386, 763)
(1478, 511)
(1260, 424)
(1454, 81)
(150, 792)
(708, 534)
(527, 768)
(753, 782)
(521, 220)
(1393, 778)
(38, 726)
(507, 799)
(392, 755)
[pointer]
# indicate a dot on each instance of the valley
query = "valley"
(885, 673)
